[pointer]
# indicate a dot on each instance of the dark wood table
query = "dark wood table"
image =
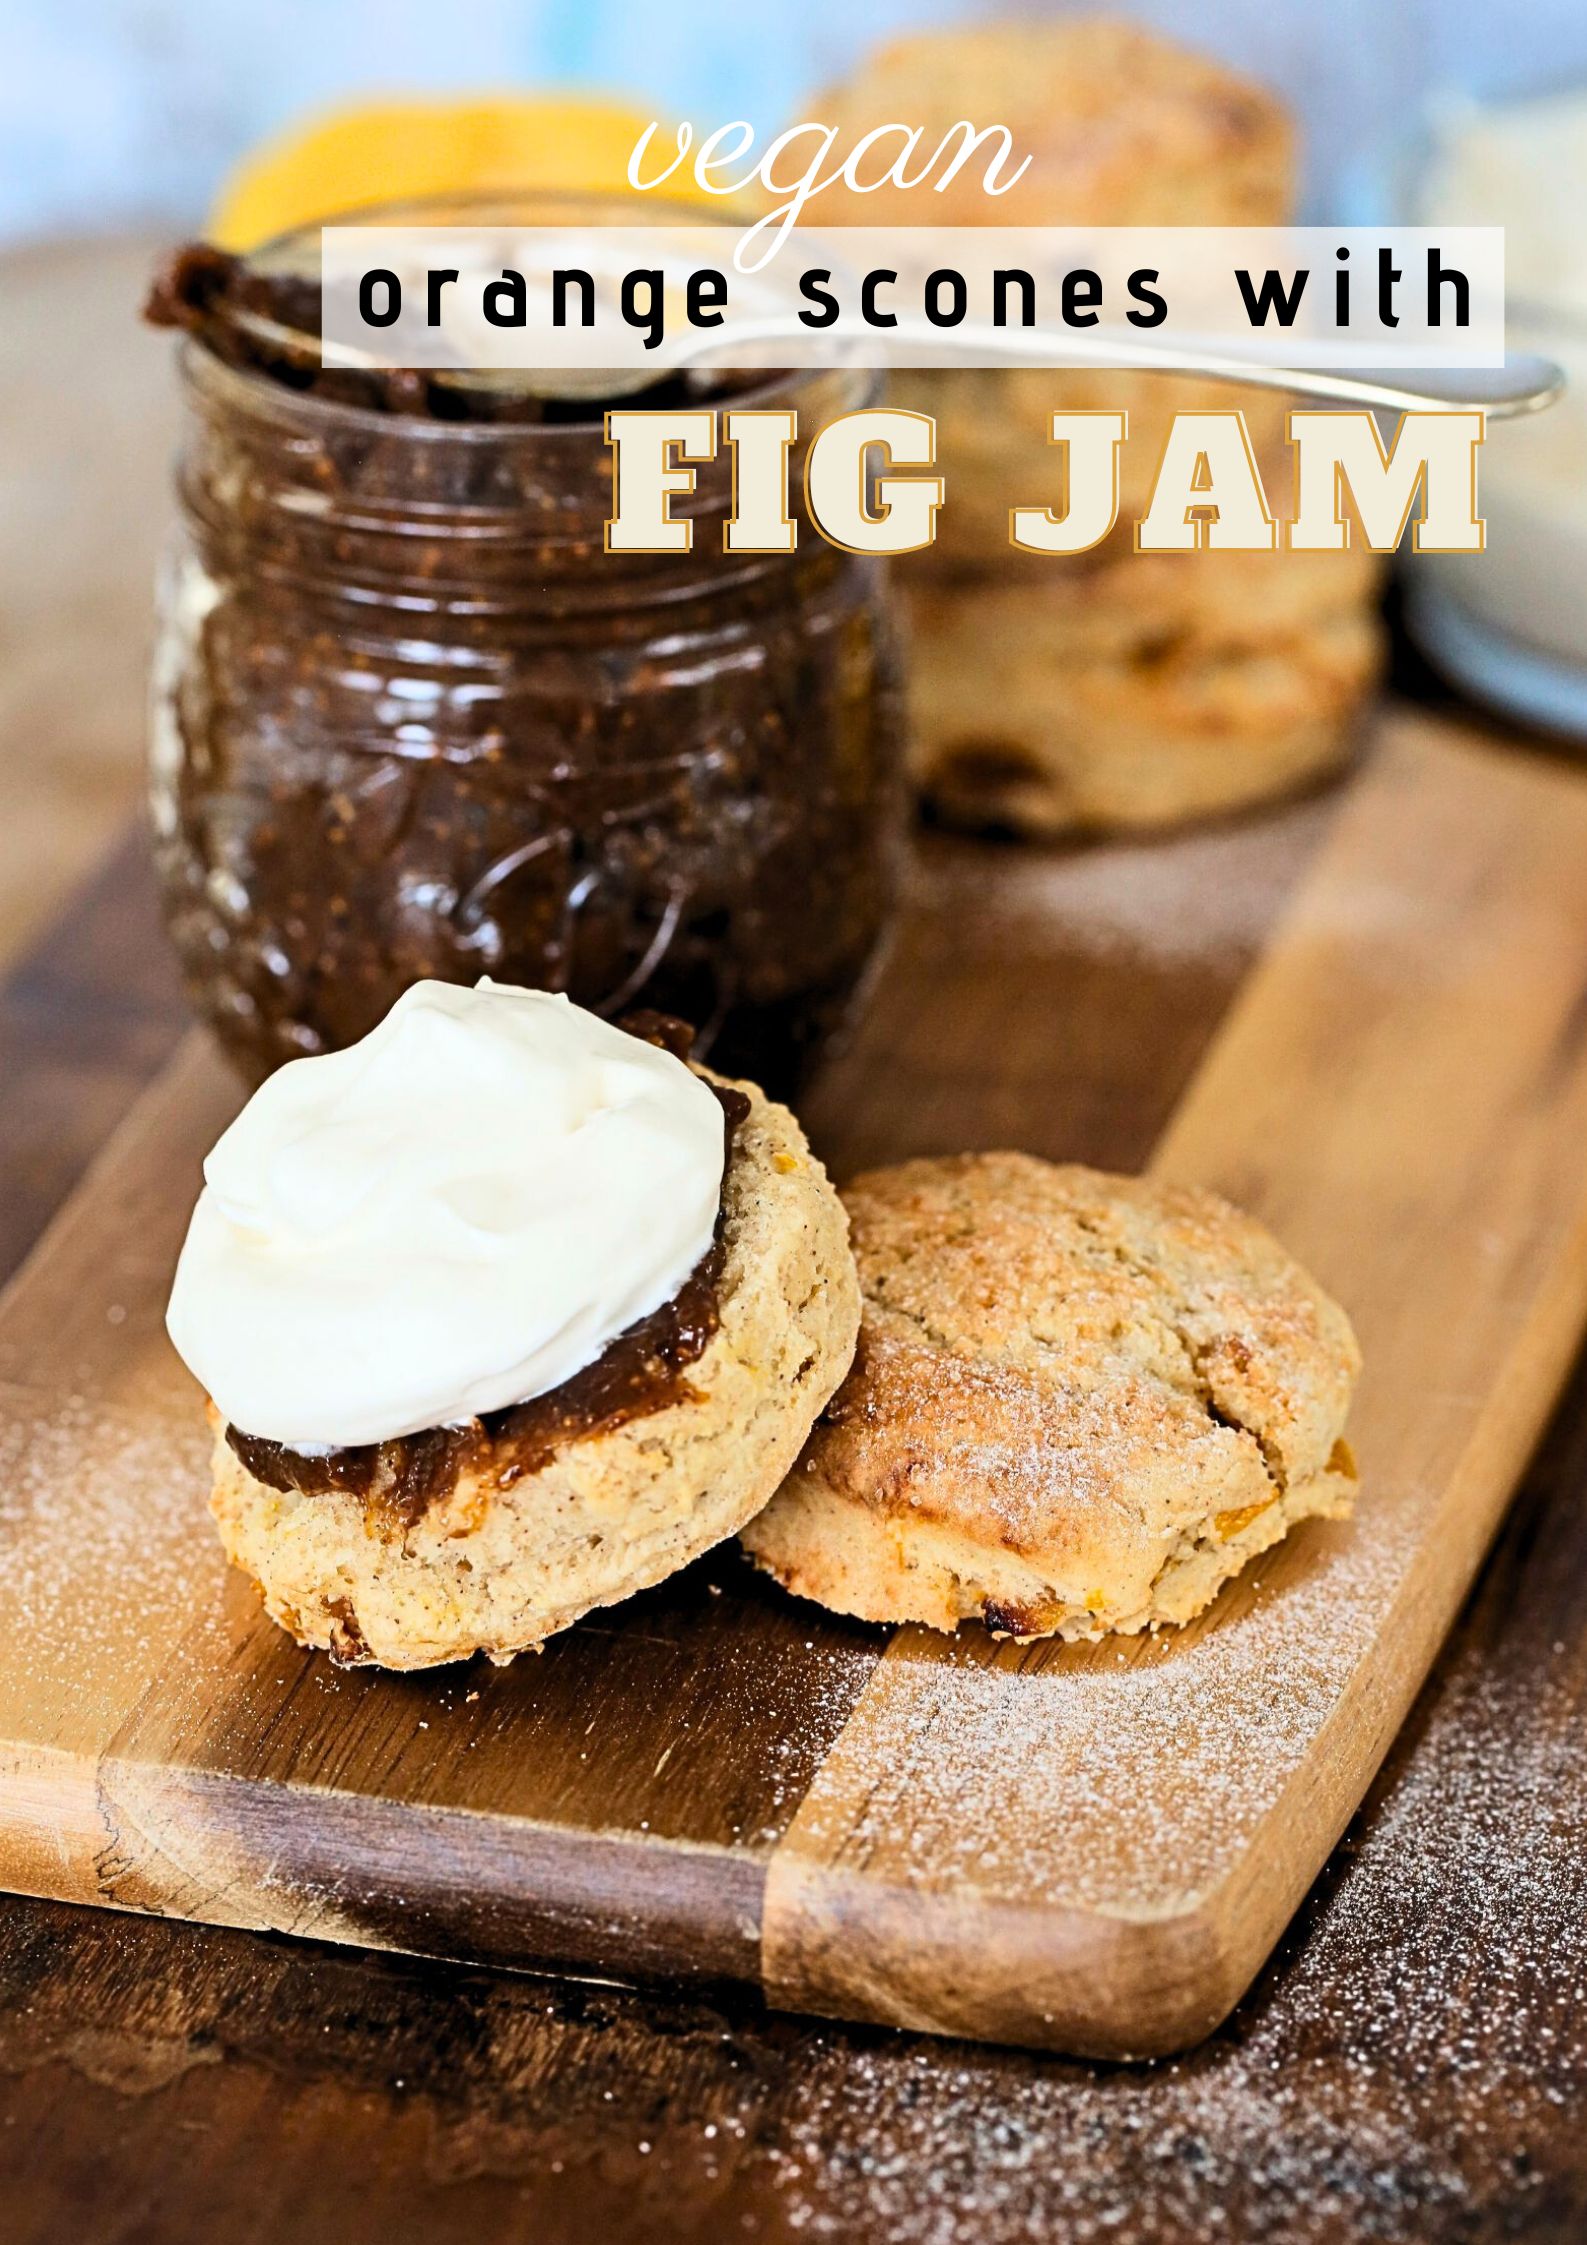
(1413, 2064)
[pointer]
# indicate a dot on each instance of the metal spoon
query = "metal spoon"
(1524, 384)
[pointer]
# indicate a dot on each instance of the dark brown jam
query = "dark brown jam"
(411, 719)
(210, 293)
(641, 1372)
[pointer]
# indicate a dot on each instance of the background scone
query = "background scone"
(511, 1545)
(1083, 694)
(1165, 687)
(1122, 127)
(1080, 1403)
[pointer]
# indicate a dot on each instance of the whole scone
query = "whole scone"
(1120, 128)
(505, 1544)
(1097, 693)
(1079, 1404)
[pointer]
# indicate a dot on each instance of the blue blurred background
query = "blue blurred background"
(117, 112)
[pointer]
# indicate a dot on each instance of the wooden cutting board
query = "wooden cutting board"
(1366, 1019)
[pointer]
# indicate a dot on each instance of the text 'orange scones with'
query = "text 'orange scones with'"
(1080, 1403)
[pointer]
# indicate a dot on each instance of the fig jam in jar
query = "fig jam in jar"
(410, 718)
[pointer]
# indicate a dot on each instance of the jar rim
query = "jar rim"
(201, 363)
(253, 383)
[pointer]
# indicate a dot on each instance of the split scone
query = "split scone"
(633, 1444)
(1079, 1404)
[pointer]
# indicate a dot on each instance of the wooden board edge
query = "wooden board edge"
(52, 1836)
(422, 1879)
(1355, 1743)
(354, 1870)
(167, 1092)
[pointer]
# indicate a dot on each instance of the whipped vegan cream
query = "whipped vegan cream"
(454, 1215)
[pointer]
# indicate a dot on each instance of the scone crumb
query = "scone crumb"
(1227, 1524)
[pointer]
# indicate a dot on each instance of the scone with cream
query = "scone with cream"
(1080, 1403)
(505, 1313)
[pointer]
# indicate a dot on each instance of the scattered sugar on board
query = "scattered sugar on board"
(1406, 2063)
(1208, 894)
(106, 1547)
(1204, 899)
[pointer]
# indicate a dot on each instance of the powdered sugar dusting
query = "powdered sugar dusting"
(1197, 900)
(1410, 2069)
(107, 1554)
(1125, 1775)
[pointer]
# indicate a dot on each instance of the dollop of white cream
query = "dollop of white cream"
(454, 1215)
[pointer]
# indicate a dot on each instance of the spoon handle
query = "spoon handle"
(1524, 384)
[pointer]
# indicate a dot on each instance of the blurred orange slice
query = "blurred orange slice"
(388, 151)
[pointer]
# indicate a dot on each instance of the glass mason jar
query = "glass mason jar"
(409, 718)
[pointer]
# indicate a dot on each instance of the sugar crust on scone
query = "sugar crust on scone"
(1079, 1404)
(497, 1569)
(1122, 127)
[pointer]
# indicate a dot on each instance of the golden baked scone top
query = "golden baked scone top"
(1063, 1280)
(1123, 128)
(1080, 1403)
